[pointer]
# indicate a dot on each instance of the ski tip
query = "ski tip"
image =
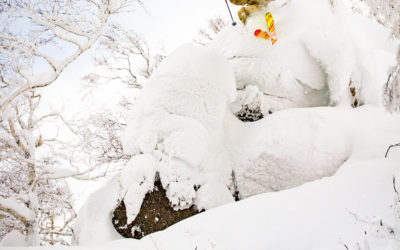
(261, 34)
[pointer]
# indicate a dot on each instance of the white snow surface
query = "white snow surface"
(212, 195)
(324, 214)
(182, 128)
(93, 223)
(294, 146)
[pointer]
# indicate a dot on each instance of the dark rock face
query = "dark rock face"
(155, 214)
(249, 115)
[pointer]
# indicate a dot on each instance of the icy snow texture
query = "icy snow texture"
(320, 50)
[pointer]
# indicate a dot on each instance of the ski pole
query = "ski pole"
(230, 13)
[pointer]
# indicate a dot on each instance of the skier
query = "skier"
(251, 7)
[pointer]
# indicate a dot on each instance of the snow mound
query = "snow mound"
(325, 55)
(294, 146)
(213, 195)
(177, 122)
(93, 224)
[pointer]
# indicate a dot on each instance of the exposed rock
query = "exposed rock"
(249, 115)
(156, 214)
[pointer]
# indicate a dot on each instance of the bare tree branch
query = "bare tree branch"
(214, 26)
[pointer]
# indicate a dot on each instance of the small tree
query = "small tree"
(387, 13)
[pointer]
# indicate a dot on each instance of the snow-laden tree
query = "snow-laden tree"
(38, 40)
(392, 88)
(387, 13)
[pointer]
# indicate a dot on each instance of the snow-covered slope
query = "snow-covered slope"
(325, 214)
(279, 152)
(338, 212)
(183, 130)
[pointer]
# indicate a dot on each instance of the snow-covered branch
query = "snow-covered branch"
(73, 26)
(18, 211)
(57, 115)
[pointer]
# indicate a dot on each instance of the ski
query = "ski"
(271, 27)
(261, 34)
(271, 33)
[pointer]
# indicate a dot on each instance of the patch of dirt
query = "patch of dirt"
(155, 214)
